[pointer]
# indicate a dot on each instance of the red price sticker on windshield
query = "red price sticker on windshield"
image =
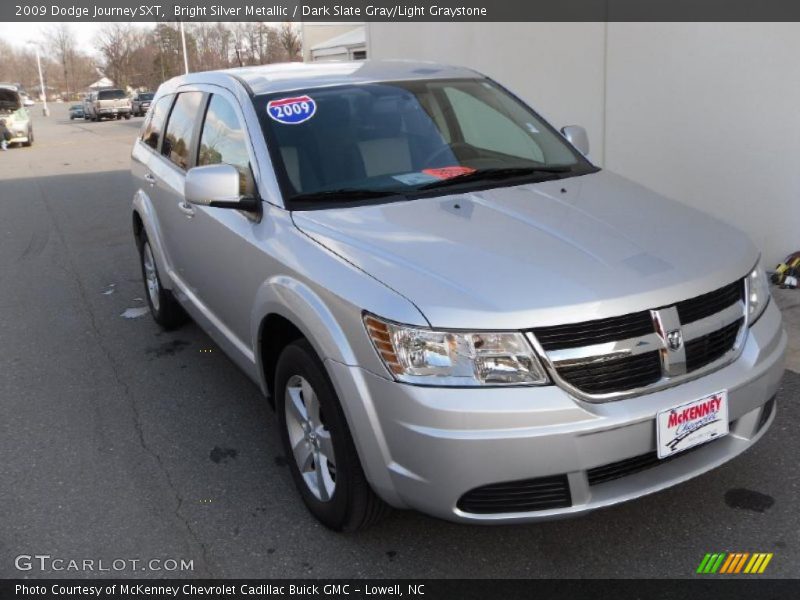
(448, 172)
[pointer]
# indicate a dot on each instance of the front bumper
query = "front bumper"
(424, 447)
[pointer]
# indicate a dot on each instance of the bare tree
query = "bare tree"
(117, 42)
(290, 40)
(61, 41)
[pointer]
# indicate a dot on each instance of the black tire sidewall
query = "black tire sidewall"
(299, 358)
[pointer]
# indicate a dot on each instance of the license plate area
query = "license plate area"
(691, 424)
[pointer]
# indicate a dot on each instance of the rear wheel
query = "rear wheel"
(317, 441)
(165, 309)
(29, 143)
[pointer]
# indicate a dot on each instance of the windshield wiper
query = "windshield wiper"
(497, 174)
(344, 194)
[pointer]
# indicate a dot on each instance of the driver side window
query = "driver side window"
(222, 141)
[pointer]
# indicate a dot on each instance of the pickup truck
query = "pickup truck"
(107, 104)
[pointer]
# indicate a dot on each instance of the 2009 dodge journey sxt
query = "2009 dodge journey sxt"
(451, 308)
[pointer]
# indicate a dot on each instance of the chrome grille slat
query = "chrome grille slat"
(615, 357)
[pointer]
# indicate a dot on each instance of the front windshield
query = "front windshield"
(387, 141)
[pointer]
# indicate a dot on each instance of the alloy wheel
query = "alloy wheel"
(150, 275)
(309, 438)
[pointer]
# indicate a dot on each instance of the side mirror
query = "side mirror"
(217, 186)
(576, 135)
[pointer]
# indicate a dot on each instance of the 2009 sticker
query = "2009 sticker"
(291, 111)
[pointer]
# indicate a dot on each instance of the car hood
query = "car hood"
(541, 254)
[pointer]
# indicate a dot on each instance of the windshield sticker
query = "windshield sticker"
(449, 172)
(415, 178)
(292, 111)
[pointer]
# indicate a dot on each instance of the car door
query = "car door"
(147, 168)
(221, 253)
(168, 171)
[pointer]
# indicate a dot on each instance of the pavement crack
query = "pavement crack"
(120, 381)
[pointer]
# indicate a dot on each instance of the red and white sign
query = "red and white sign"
(693, 423)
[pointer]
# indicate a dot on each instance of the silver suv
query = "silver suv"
(450, 307)
(107, 104)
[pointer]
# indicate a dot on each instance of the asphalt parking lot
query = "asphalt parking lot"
(119, 441)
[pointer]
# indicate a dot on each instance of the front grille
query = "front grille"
(629, 466)
(526, 495)
(708, 348)
(575, 335)
(615, 375)
(711, 303)
(641, 358)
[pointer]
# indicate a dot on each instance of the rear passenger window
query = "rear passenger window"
(181, 128)
(155, 122)
(223, 141)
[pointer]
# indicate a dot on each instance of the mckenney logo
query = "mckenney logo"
(732, 563)
(711, 407)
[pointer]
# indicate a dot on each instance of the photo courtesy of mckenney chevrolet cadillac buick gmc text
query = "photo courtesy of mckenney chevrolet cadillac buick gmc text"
(450, 307)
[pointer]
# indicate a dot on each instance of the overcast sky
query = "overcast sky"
(18, 34)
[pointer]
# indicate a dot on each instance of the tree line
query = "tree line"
(141, 58)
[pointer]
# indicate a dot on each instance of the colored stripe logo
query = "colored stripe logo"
(734, 563)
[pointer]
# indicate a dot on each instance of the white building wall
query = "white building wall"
(707, 113)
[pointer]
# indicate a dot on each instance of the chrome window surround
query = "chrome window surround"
(673, 362)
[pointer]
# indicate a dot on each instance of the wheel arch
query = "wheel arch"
(288, 309)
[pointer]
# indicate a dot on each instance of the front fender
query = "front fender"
(296, 302)
(323, 323)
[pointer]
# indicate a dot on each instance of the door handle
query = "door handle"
(186, 209)
(150, 179)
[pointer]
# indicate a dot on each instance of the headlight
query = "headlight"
(758, 292)
(454, 358)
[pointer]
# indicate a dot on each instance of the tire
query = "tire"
(166, 310)
(29, 143)
(128, 117)
(335, 491)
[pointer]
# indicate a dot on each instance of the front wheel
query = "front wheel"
(317, 441)
(165, 309)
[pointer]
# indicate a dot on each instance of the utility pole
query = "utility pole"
(45, 110)
(183, 43)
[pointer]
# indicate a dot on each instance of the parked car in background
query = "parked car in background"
(16, 116)
(141, 103)
(107, 104)
(27, 100)
(76, 112)
(451, 308)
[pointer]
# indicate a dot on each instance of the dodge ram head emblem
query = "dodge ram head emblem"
(674, 340)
